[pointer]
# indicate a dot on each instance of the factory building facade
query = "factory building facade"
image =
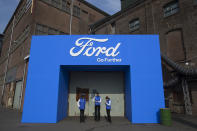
(173, 20)
(37, 17)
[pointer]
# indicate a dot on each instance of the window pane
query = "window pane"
(134, 25)
(195, 1)
(28, 4)
(76, 11)
(47, 1)
(53, 31)
(66, 6)
(55, 3)
(171, 9)
(41, 30)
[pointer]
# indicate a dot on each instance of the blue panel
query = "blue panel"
(146, 81)
(41, 94)
(128, 94)
(63, 95)
(51, 57)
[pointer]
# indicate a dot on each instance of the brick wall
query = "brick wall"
(177, 32)
(25, 26)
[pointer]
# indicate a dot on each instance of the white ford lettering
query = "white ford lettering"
(85, 46)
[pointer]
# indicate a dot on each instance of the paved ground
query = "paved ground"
(10, 121)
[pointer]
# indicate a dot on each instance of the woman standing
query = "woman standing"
(108, 108)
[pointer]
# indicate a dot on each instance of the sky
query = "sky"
(7, 8)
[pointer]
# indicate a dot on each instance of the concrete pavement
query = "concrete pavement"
(10, 121)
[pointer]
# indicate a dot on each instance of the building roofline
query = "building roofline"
(104, 20)
(94, 7)
(82, 1)
(12, 16)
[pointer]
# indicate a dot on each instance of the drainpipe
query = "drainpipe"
(24, 72)
(8, 58)
(71, 16)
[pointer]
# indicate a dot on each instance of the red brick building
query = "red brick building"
(176, 23)
(37, 17)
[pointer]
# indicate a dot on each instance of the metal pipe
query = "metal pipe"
(11, 37)
(171, 82)
(185, 71)
(24, 72)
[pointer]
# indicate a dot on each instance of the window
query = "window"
(41, 30)
(65, 6)
(60, 4)
(134, 25)
(195, 2)
(23, 36)
(56, 3)
(22, 11)
(113, 28)
(85, 12)
(20, 39)
(47, 1)
(45, 30)
(76, 11)
(52, 31)
(171, 8)
(28, 4)
(62, 33)
(19, 15)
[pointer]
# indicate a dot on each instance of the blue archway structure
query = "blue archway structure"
(52, 57)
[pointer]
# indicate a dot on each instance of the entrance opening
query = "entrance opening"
(106, 83)
(111, 81)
